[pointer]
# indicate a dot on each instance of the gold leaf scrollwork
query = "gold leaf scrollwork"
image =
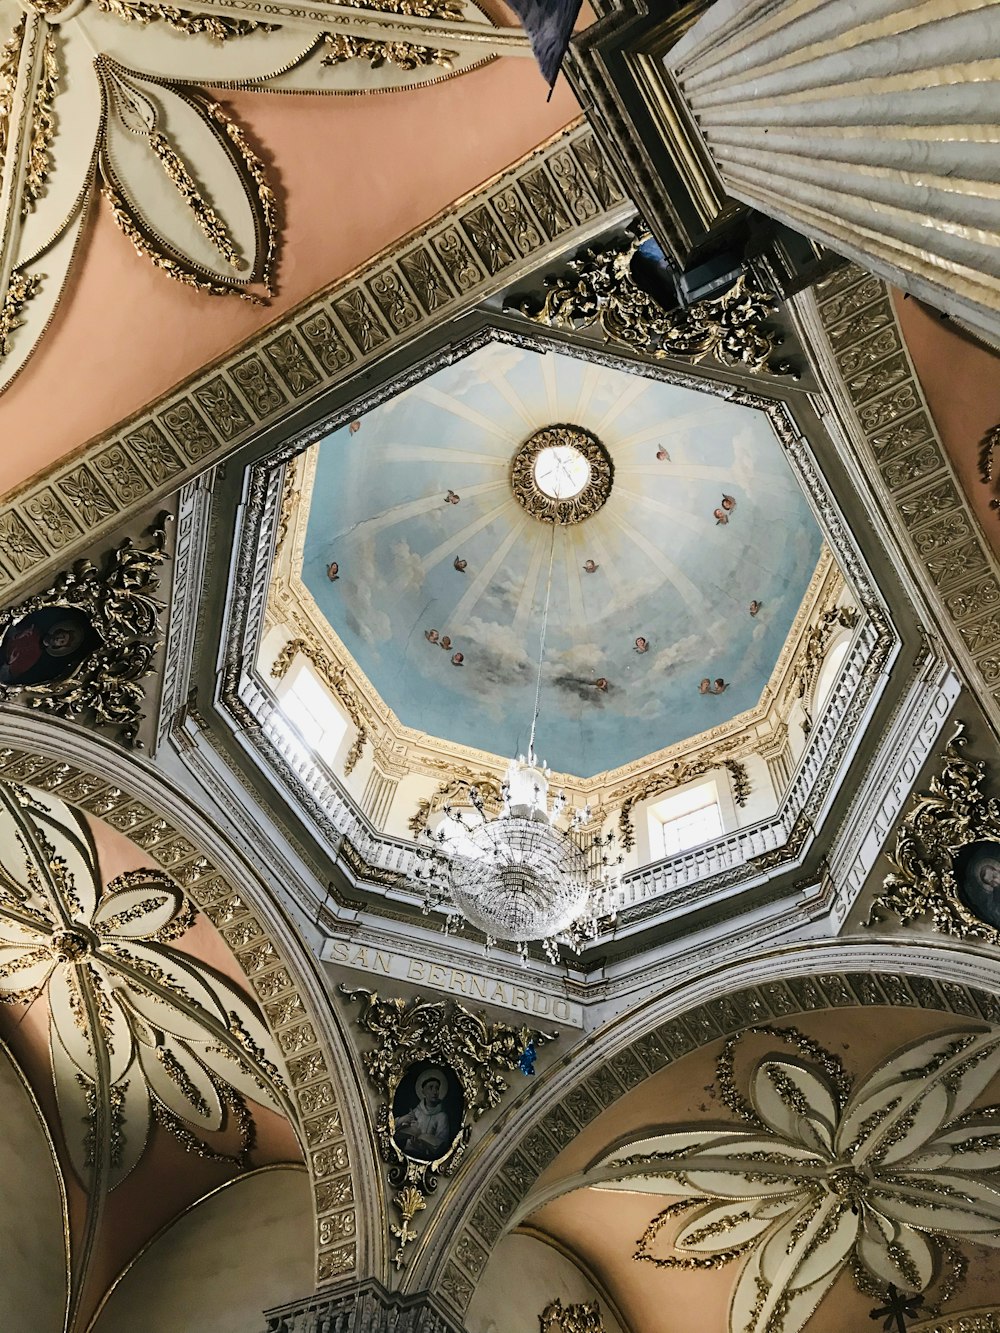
(123, 614)
(684, 770)
(600, 289)
(219, 27)
(952, 813)
(479, 1053)
(341, 46)
(21, 288)
(583, 1317)
(987, 449)
(43, 127)
(546, 508)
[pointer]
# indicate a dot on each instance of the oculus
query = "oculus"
(562, 474)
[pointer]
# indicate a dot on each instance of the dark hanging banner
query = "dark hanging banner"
(549, 24)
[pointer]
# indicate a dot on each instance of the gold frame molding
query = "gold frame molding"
(477, 1052)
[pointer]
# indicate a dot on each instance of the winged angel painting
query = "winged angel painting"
(108, 97)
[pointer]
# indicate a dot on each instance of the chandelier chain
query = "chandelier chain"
(541, 646)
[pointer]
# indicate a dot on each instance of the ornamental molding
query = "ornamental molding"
(600, 289)
(926, 881)
(533, 499)
(583, 1317)
(113, 607)
(310, 1069)
(109, 97)
(462, 1051)
(556, 197)
(797, 980)
(860, 352)
(982, 1320)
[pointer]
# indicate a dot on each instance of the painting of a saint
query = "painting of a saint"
(426, 1112)
(977, 872)
(46, 645)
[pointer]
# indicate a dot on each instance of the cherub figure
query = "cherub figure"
(445, 642)
(457, 659)
(719, 685)
(452, 498)
(728, 503)
(641, 645)
(754, 607)
(431, 635)
(720, 516)
(602, 684)
(461, 564)
(589, 567)
(354, 427)
(662, 456)
(707, 687)
(333, 571)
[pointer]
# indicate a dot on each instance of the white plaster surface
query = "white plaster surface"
(521, 1278)
(243, 1250)
(33, 1268)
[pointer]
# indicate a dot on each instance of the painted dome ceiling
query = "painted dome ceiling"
(670, 602)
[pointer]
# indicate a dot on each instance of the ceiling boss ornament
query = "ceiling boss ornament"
(818, 1176)
(107, 96)
(562, 474)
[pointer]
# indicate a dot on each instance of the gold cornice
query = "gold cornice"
(556, 197)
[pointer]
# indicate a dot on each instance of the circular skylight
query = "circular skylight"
(561, 472)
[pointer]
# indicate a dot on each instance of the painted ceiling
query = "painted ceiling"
(688, 577)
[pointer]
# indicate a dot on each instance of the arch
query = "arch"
(208, 1259)
(944, 976)
(128, 793)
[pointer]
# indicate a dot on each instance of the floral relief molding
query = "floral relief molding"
(310, 1079)
(496, 1208)
(107, 96)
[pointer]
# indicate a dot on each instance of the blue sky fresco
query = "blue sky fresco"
(666, 570)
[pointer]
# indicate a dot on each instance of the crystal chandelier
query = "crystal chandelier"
(519, 876)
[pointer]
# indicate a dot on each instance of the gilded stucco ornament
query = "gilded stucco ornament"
(552, 508)
(819, 1175)
(954, 813)
(684, 770)
(417, 1039)
(601, 289)
(115, 607)
(140, 1032)
(107, 96)
(582, 1317)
